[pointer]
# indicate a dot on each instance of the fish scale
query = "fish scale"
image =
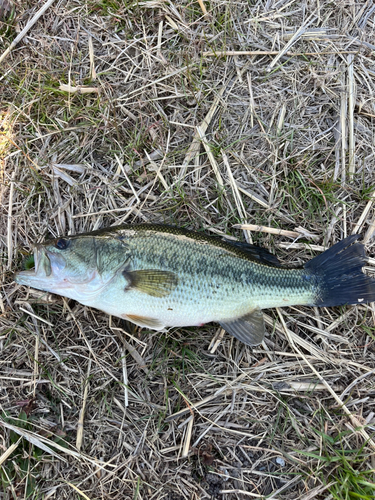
(220, 272)
(162, 276)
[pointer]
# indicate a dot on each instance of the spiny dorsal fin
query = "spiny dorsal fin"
(152, 281)
(249, 328)
(257, 253)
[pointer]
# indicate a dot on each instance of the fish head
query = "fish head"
(65, 266)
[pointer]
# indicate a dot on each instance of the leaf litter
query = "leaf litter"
(252, 121)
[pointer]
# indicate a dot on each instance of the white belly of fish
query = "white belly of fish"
(177, 309)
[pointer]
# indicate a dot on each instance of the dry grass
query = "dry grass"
(117, 111)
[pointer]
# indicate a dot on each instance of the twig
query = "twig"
(236, 194)
(364, 214)
(92, 59)
(37, 317)
(29, 25)
(272, 53)
(38, 440)
(274, 230)
(135, 355)
(188, 434)
(80, 89)
(9, 232)
(243, 493)
(203, 7)
(211, 157)
(303, 246)
(82, 412)
(125, 376)
(81, 493)
(216, 339)
(251, 103)
(351, 102)
(254, 197)
(9, 451)
(343, 115)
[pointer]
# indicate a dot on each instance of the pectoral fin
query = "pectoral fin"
(144, 321)
(152, 281)
(249, 328)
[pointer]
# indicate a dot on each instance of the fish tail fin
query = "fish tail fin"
(339, 276)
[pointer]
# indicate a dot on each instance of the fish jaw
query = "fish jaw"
(50, 275)
(39, 277)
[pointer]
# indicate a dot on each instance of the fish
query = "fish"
(160, 277)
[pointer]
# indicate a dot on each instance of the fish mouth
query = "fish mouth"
(52, 273)
(41, 273)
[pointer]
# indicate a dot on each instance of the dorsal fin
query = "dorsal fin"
(257, 253)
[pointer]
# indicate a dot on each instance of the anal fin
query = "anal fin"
(249, 329)
(144, 321)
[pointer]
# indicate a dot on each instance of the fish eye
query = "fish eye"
(62, 244)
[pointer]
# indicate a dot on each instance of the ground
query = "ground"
(217, 116)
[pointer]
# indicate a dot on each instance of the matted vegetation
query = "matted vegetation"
(217, 116)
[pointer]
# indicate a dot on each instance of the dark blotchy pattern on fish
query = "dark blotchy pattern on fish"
(162, 276)
(203, 259)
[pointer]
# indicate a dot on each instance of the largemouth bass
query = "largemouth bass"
(160, 276)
